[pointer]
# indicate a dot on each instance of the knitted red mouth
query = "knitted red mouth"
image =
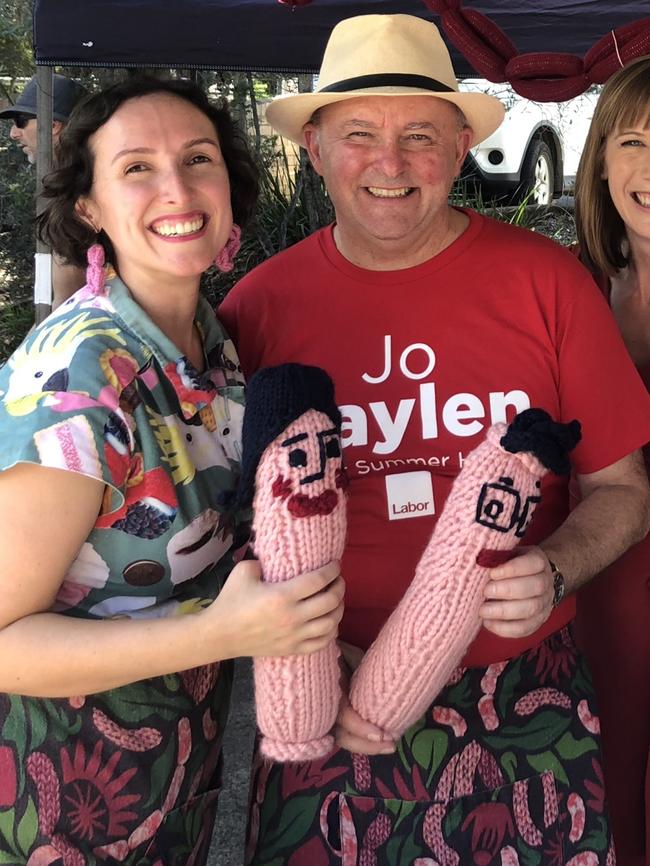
(301, 505)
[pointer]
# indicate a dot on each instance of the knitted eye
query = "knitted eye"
(333, 449)
(493, 509)
(499, 506)
(297, 458)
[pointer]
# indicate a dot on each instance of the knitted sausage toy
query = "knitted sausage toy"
(292, 460)
(489, 506)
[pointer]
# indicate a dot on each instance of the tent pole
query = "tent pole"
(43, 275)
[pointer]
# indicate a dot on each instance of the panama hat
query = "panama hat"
(384, 55)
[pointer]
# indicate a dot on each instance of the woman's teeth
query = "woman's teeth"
(380, 192)
(170, 229)
(643, 198)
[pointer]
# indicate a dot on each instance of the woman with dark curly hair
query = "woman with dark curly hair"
(120, 422)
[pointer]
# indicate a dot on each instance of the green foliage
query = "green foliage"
(17, 243)
(16, 39)
(15, 320)
(292, 205)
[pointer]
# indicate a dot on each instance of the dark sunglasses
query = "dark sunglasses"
(21, 120)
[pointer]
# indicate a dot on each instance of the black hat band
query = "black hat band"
(396, 79)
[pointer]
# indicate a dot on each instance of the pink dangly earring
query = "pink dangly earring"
(95, 276)
(225, 260)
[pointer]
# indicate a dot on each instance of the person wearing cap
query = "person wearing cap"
(434, 323)
(66, 94)
(66, 278)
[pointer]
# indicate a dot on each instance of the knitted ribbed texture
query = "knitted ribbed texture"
(426, 636)
(95, 274)
(298, 528)
(225, 261)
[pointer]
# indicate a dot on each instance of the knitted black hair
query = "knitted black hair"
(275, 397)
(534, 430)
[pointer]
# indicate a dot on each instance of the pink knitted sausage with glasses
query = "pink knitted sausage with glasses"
(292, 460)
(488, 509)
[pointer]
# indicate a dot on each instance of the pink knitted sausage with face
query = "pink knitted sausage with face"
(292, 444)
(488, 508)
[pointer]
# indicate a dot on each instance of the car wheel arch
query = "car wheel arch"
(547, 134)
(538, 172)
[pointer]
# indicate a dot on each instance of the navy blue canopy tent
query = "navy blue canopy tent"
(264, 35)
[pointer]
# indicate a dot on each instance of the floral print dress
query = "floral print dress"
(130, 775)
(504, 769)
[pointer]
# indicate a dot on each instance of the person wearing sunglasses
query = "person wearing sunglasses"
(66, 278)
(66, 95)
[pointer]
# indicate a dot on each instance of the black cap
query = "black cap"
(67, 93)
(276, 396)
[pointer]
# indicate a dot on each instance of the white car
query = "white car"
(534, 154)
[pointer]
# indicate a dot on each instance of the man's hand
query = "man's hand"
(613, 515)
(519, 596)
(357, 735)
(351, 732)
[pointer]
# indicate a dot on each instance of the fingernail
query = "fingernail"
(375, 738)
(388, 751)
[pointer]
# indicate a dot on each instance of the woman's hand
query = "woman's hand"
(292, 617)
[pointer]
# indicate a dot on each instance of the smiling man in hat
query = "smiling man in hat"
(66, 278)
(436, 322)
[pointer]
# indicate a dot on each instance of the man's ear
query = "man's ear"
(312, 146)
(57, 126)
(463, 144)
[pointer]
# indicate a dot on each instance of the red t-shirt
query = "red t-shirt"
(424, 360)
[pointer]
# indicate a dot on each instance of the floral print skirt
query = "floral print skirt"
(503, 769)
(128, 776)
